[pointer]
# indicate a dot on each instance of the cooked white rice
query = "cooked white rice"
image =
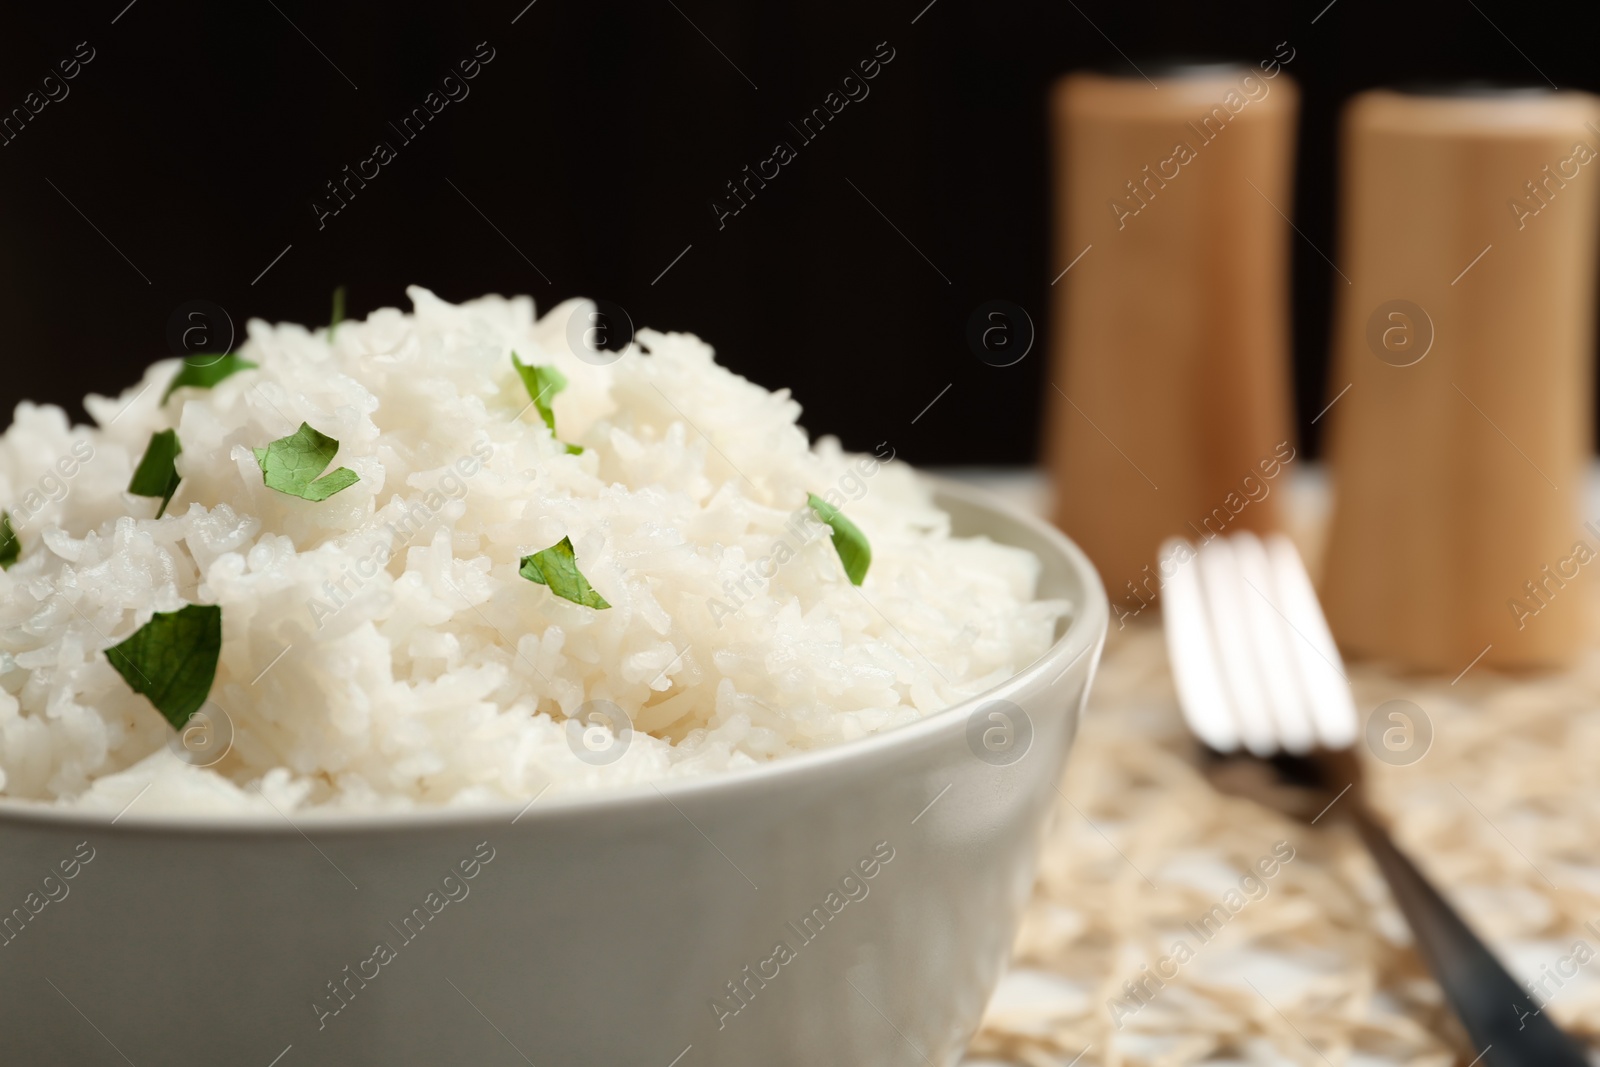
(380, 649)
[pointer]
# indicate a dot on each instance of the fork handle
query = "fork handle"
(1505, 1027)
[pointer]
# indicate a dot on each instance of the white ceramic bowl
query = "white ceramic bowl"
(611, 930)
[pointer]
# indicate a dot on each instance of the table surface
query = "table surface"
(1502, 810)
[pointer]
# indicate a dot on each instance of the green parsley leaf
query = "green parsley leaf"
(557, 568)
(291, 465)
(542, 384)
(10, 547)
(207, 374)
(338, 313)
(157, 475)
(172, 659)
(848, 540)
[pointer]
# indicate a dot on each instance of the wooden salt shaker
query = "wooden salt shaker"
(1463, 342)
(1168, 403)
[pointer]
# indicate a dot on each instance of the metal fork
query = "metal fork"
(1261, 681)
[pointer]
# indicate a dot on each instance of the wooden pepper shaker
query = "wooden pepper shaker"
(1461, 435)
(1168, 402)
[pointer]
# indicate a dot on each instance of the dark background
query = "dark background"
(198, 137)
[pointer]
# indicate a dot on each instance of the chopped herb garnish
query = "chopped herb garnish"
(10, 547)
(848, 540)
(338, 313)
(292, 465)
(543, 383)
(157, 475)
(207, 374)
(557, 568)
(172, 659)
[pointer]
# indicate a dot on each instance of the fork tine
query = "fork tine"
(1320, 667)
(1273, 659)
(1189, 647)
(1223, 592)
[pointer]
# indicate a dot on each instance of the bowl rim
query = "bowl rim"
(1085, 632)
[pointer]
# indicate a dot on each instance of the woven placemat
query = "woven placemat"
(1312, 963)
